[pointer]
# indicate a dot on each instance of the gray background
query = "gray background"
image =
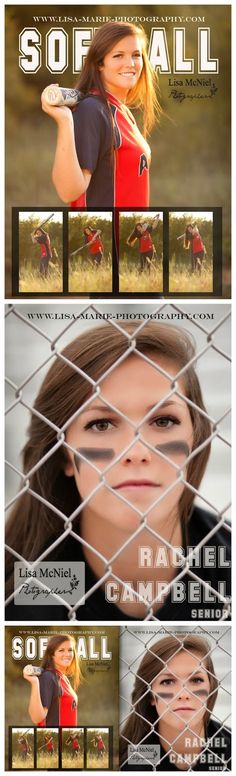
(26, 349)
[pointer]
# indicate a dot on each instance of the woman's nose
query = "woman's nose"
(183, 691)
(138, 453)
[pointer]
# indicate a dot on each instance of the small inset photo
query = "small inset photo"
(40, 252)
(22, 748)
(72, 748)
(141, 252)
(191, 252)
(90, 252)
(97, 748)
(47, 749)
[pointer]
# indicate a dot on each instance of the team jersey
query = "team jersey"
(120, 177)
(145, 241)
(75, 744)
(59, 698)
(197, 244)
(49, 745)
(45, 245)
(97, 246)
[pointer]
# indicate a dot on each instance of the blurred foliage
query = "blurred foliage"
(190, 146)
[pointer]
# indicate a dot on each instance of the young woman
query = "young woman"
(53, 699)
(199, 250)
(42, 237)
(102, 159)
(73, 742)
(173, 698)
(144, 232)
(193, 241)
(119, 445)
(95, 245)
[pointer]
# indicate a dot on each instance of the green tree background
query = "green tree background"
(29, 253)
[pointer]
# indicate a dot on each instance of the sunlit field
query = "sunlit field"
(131, 280)
(86, 278)
(31, 281)
(183, 280)
(72, 762)
(45, 761)
(18, 763)
(97, 762)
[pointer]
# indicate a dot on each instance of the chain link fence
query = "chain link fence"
(40, 338)
(141, 644)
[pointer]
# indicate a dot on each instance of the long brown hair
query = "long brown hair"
(33, 524)
(143, 95)
(73, 671)
(144, 717)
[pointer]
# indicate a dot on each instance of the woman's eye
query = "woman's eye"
(197, 679)
(166, 682)
(166, 421)
(99, 425)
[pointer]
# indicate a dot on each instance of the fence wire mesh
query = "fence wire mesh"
(210, 342)
(137, 643)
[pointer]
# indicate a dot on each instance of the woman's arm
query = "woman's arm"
(69, 179)
(36, 710)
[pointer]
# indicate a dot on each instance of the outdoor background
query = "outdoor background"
(190, 147)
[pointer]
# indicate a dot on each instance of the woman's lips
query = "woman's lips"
(136, 484)
(184, 708)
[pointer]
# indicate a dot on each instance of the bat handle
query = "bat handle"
(58, 96)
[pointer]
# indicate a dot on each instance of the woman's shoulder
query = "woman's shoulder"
(92, 104)
(47, 677)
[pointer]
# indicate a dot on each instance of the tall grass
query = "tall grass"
(132, 281)
(31, 281)
(182, 280)
(45, 761)
(97, 762)
(72, 762)
(19, 763)
(89, 279)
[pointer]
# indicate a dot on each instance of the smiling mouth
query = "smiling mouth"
(136, 484)
(127, 74)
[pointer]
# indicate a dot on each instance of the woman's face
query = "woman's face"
(63, 656)
(122, 66)
(141, 475)
(181, 692)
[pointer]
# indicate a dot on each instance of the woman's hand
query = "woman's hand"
(29, 675)
(58, 113)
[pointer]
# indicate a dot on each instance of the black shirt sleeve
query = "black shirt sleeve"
(92, 132)
(48, 689)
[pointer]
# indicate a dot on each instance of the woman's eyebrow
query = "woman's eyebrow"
(122, 51)
(100, 408)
